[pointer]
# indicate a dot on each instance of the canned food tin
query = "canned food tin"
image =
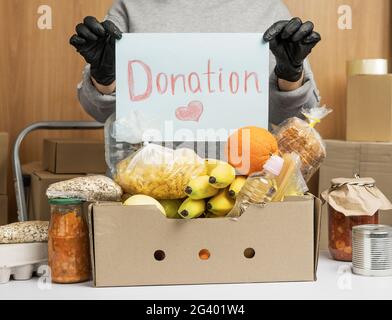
(372, 250)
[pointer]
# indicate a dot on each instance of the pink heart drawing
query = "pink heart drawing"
(192, 112)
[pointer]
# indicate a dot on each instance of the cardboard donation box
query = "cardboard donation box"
(74, 156)
(132, 246)
(367, 159)
(369, 108)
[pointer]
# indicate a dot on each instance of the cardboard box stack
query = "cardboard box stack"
(3, 178)
(62, 160)
(74, 156)
(368, 149)
(369, 108)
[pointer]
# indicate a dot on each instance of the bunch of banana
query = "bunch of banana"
(212, 194)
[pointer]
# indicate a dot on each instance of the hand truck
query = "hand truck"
(17, 169)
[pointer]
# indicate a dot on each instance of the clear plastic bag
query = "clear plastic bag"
(290, 182)
(159, 172)
(299, 136)
(121, 140)
(297, 185)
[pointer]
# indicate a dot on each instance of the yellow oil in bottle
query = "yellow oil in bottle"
(260, 188)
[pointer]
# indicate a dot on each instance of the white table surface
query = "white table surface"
(335, 281)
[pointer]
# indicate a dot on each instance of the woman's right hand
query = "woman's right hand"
(95, 41)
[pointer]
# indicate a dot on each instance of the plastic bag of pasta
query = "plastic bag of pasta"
(159, 172)
(299, 136)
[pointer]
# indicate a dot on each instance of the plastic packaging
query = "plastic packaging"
(159, 172)
(68, 244)
(122, 139)
(21, 260)
(296, 135)
(290, 182)
(259, 188)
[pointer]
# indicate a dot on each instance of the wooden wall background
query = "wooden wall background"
(39, 71)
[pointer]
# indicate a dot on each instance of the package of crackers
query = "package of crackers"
(300, 136)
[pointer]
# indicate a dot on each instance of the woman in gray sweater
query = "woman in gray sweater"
(291, 81)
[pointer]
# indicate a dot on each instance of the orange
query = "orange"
(249, 148)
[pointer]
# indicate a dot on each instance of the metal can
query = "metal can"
(372, 250)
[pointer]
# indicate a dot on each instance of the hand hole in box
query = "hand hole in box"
(249, 253)
(159, 255)
(204, 254)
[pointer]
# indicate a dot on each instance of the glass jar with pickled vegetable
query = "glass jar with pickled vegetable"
(68, 242)
(351, 202)
(340, 232)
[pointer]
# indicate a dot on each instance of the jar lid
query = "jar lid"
(65, 201)
(376, 230)
(365, 182)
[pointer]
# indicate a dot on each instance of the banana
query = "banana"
(200, 188)
(211, 164)
(171, 208)
(222, 175)
(221, 204)
(192, 209)
(236, 186)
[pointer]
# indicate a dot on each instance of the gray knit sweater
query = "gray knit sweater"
(202, 16)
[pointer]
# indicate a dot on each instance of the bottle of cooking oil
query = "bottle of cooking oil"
(260, 187)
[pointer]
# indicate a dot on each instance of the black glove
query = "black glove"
(291, 42)
(95, 41)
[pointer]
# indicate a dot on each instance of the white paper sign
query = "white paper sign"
(192, 87)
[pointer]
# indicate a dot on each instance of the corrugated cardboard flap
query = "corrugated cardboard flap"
(317, 233)
(90, 221)
(318, 204)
